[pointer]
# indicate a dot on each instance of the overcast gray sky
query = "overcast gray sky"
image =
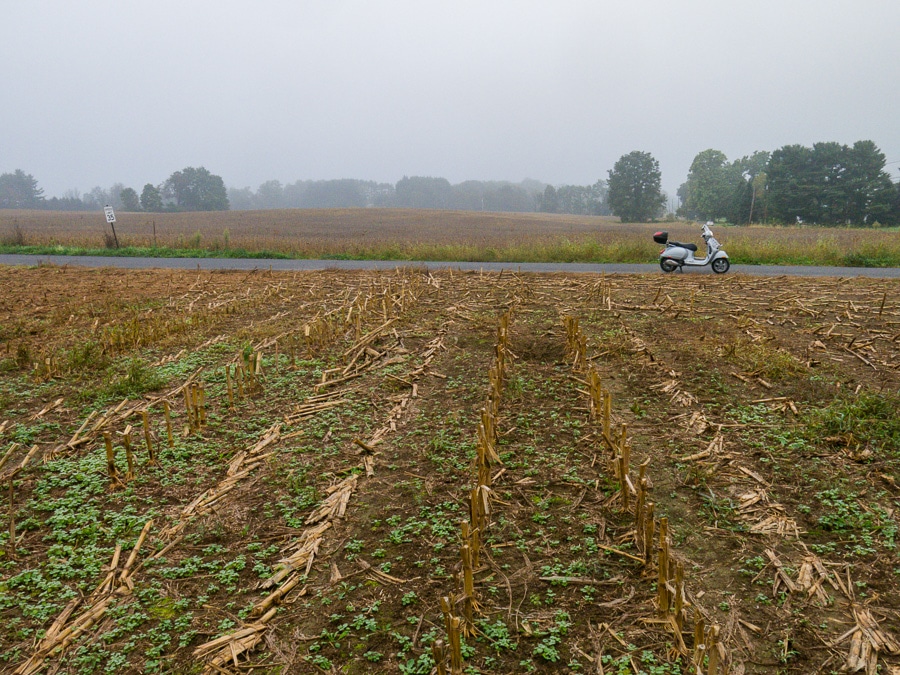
(95, 92)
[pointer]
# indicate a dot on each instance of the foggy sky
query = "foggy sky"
(97, 92)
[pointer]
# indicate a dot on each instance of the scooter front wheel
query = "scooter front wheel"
(668, 265)
(720, 265)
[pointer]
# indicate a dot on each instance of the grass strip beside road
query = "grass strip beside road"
(423, 234)
(563, 251)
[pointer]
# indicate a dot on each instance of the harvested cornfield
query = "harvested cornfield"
(448, 472)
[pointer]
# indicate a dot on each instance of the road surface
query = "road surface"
(306, 265)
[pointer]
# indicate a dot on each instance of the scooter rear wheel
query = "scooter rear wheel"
(668, 265)
(720, 265)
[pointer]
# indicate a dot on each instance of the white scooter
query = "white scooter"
(677, 254)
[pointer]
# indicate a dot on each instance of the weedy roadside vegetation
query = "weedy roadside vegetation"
(410, 234)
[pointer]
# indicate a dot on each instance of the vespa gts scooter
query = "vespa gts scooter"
(677, 254)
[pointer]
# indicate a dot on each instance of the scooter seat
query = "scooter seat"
(689, 247)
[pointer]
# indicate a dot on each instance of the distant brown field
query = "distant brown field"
(298, 229)
(409, 234)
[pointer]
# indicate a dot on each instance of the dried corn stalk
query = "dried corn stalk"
(376, 574)
(867, 641)
(335, 504)
(777, 524)
(228, 647)
(767, 517)
(307, 546)
(62, 632)
(239, 468)
(428, 355)
(677, 395)
(272, 435)
(697, 423)
(715, 447)
(812, 577)
(51, 406)
(781, 577)
(308, 409)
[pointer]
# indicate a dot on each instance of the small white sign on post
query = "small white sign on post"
(111, 219)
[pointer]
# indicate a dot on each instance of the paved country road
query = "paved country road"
(291, 265)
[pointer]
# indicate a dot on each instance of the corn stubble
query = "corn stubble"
(316, 381)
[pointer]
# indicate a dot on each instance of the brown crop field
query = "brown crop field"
(446, 472)
(409, 234)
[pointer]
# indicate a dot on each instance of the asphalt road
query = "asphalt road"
(291, 265)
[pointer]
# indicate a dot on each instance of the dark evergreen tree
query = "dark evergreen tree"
(19, 190)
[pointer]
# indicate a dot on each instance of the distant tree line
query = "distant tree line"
(425, 192)
(198, 190)
(827, 184)
(191, 189)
